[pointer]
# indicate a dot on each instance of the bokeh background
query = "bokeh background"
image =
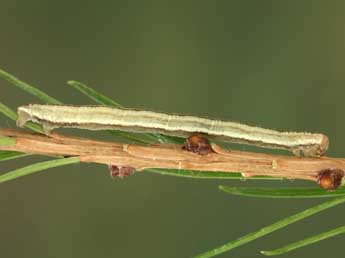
(277, 64)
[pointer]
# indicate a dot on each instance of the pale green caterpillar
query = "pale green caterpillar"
(100, 118)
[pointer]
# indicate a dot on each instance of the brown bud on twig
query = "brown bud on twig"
(121, 172)
(199, 144)
(330, 179)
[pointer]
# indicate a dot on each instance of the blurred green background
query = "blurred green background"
(277, 64)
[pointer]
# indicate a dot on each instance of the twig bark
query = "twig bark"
(171, 156)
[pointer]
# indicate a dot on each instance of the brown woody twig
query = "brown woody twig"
(169, 156)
